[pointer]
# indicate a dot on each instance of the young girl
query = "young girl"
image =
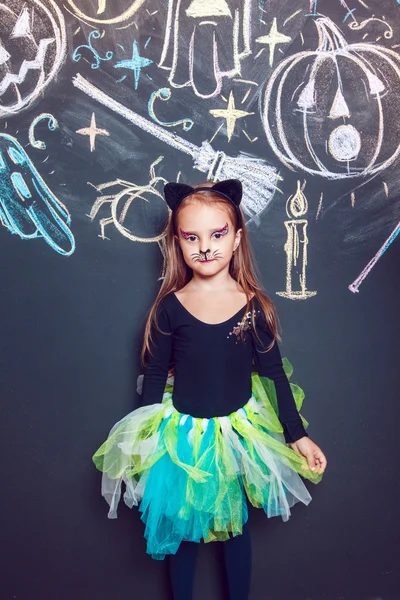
(219, 424)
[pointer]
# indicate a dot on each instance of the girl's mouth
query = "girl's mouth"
(207, 261)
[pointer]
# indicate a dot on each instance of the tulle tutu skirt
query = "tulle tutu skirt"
(190, 476)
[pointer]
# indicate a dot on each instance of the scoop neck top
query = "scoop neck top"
(203, 322)
(213, 363)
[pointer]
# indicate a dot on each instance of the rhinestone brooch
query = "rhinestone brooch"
(241, 328)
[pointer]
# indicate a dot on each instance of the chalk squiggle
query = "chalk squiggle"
(165, 94)
(95, 65)
(357, 26)
(52, 125)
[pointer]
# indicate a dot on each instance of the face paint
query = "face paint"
(225, 229)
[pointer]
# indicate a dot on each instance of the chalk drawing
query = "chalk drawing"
(92, 131)
(296, 247)
(120, 203)
(297, 12)
(52, 124)
(388, 34)
(192, 24)
(76, 56)
(349, 11)
(231, 114)
(319, 208)
(273, 39)
(345, 143)
(311, 116)
(251, 140)
(39, 31)
(165, 94)
(102, 6)
(354, 287)
(28, 208)
(22, 27)
(135, 64)
(259, 179)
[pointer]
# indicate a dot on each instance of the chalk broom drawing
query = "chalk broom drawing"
(259, 179)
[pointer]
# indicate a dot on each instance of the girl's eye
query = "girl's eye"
(192, 237)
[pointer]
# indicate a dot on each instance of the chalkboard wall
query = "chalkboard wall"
(101, 103)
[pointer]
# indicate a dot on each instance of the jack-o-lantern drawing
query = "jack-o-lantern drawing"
(106, 12)
(332, 111)
(32, 50)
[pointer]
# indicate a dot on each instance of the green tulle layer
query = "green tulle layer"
(192, 477)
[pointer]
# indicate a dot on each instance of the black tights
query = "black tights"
(237, 558)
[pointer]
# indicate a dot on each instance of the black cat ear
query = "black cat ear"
(230, 187)
(175, 192)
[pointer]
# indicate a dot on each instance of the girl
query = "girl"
(214, 431)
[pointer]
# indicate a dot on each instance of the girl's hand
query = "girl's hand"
(315, 457)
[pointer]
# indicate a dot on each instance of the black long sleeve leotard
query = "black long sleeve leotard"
(213, 364)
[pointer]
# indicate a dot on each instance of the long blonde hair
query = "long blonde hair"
(242, 268)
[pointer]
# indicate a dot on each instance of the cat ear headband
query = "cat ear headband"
(230, 189)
